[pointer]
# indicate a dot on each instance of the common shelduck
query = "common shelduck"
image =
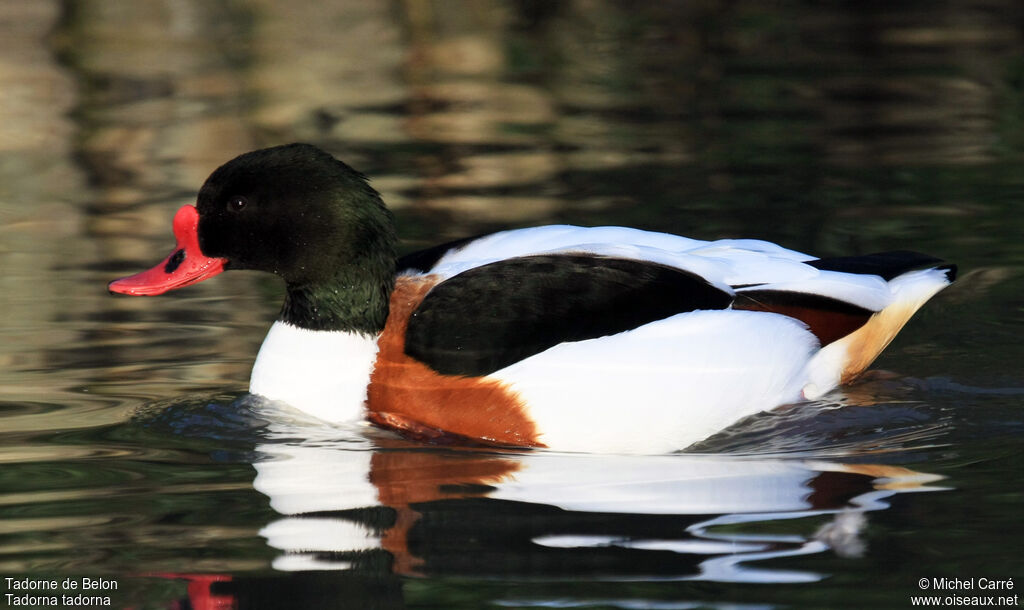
(604, 339)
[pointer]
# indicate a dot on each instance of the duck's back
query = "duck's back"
(616, 339)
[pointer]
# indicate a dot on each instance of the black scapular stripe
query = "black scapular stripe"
(885, 264)
(491, 316)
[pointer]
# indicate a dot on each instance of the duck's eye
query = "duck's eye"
(236, 204)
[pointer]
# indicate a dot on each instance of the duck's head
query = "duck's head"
(294, 211)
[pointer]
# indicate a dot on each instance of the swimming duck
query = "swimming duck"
(602, 339)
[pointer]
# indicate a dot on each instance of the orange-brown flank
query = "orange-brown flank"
(409, 396)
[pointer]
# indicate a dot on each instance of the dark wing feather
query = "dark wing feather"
(494, 315)
(887, 265)
(828, 318)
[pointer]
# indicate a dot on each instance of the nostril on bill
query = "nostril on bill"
(174, 261)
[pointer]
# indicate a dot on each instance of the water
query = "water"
(132, 454)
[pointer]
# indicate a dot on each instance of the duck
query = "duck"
(581, 339)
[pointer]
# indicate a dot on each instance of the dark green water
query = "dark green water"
(131, 453)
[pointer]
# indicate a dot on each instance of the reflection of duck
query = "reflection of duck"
(599, 339)
(551, 515)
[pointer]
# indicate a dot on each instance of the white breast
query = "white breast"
(322, 373)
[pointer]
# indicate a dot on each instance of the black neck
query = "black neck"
(354, 301)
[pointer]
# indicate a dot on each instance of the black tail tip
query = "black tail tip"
(950, 270)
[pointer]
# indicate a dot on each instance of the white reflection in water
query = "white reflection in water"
(318, 485)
